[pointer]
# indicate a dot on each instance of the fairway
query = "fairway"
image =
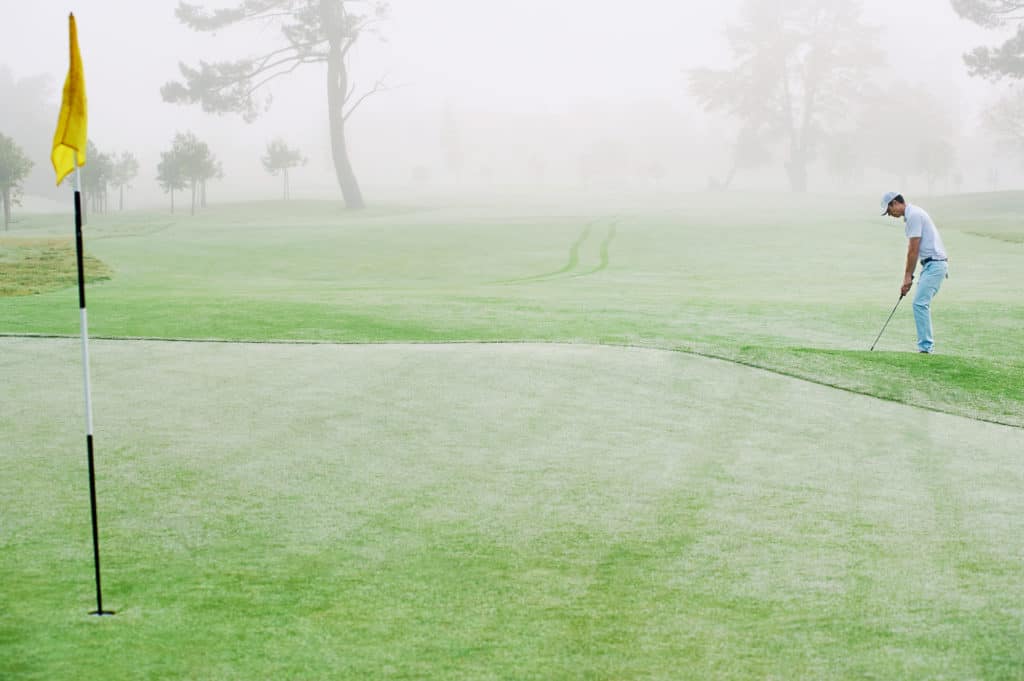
(750, 281)
(514, 442)
(496, 511)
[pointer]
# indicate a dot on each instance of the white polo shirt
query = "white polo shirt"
(919, 224)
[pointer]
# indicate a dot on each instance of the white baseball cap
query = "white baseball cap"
(886, 200)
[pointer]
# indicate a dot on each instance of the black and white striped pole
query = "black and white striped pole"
(88, 393)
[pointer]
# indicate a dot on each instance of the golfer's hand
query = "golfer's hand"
(907, 283)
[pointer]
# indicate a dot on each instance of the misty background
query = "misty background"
(487, 98)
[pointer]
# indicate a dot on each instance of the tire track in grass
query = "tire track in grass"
(574, 257)
(605, 245)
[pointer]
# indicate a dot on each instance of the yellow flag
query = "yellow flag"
(69, 141)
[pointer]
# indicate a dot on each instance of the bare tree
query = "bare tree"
(126, 168)
(198, 164)
(313, 32)
(14, 168)
(1005, 120)
(188, 164)
(451, 143)
(934, 159)
(1007, 60)
(751, 150)
(26, 112)
(97, 175)
(798, 65)
(907, 140)
(279, 159)
(170, 174)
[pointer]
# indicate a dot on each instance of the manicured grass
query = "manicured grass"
(397, 503)
(989, 391)
(496, 511)
(752, 280)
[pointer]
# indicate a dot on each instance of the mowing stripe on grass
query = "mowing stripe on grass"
(499, 511)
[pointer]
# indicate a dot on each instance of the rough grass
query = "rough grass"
(31, 266)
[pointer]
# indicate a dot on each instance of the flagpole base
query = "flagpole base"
(102, 613)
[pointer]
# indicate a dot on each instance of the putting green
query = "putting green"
(495, 511)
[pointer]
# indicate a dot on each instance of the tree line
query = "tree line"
(800, 87)
(801, 82)
(188, 165)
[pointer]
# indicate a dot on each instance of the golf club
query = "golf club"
(902, 296)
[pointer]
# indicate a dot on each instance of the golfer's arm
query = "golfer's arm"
(913, 248)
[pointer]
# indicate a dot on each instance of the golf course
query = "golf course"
(545, 439)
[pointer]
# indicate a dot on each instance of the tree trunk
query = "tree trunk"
(172, 202)
(729, 177)
(202, 194)
(5, 199)
(120, 199)
(193, 211)
(796, 168)
(337, 89)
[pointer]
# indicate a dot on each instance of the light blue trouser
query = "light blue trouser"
(928, 285)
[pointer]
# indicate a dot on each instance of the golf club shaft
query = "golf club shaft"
(886, 323)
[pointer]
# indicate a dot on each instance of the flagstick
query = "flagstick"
(88, 392)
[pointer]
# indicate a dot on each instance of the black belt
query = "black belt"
(928, 260)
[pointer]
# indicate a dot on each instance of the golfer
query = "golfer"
(925, 245)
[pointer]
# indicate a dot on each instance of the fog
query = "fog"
(550, 98)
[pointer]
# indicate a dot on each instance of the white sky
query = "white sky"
(493, 55)
(555, 57)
